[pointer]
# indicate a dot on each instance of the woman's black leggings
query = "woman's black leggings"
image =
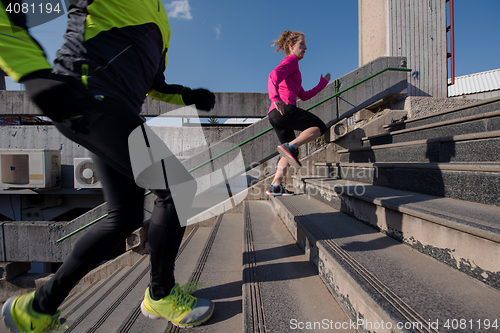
(293, 118)
(104, 130)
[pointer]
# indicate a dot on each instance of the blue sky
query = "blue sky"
(224, 45)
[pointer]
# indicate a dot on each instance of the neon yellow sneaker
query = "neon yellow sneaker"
(19, 316)
(180, 307)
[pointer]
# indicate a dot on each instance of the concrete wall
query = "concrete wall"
(412, 29)
(228, 105)
(188, 141)
(182, 141)
(37, 241)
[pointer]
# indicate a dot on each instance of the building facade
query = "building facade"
(412, 29)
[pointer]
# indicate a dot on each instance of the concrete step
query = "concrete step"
(474, 182)
(220, 267)
(282, 291)
(455, 113)
(292, 295)
(186, 262)
(461, 234)
(76, 309)
(101, 306)
(111, 307)
(477, 147)
(385, 285)
(479, 123)
(112, 304)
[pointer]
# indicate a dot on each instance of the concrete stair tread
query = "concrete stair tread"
(454, 138)
(77, 298)
(102, 304)
(469, 148)
(391, 280)
(455, 166)
(478, 219)
(479, 123)
(284, 283)
(220, 269)
(437, 115)
(438, 124)
(77, 303)
(121, 294)
(186, 261)
(117, 312)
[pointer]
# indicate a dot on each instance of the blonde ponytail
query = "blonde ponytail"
(283, 43)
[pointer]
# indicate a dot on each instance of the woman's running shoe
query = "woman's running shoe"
(278, 190)
(290, 153)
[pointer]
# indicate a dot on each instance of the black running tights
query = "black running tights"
(104, 130)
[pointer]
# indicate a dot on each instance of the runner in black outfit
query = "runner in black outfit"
(113, 55)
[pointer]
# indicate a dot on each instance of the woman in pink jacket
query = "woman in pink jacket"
(284, 86)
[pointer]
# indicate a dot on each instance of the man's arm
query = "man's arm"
(168, 93)
(180, 95)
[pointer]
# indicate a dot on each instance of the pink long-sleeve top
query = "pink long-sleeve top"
(285, 83)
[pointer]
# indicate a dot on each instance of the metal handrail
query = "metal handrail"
(307, 109)
(253, 138)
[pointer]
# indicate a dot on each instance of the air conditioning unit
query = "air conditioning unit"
(30, 168)
(86, 175)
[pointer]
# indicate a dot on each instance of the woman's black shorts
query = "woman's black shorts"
(293, 119)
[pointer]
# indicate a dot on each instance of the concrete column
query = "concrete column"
(372, 30)
(407, 28)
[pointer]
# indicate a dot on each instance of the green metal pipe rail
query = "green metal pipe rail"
(253, 138)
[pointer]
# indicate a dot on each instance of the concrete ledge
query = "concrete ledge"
(418, 118)
(10, 270)
(128, 259)
(23, 284)
(23, 240)
(473, 167)
(463, 235)
(376, 278)
(34, 241)
(451, 138)
(436, 124)
(453, 180)
(466, 148)
(228, 105)
(29, 282)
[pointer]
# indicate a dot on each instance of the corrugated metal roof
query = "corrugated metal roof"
(475, 83)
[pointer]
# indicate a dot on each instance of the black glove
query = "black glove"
(202, 98)
(59, 97)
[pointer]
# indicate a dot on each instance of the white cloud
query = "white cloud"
(217, 31)
(179, 9)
